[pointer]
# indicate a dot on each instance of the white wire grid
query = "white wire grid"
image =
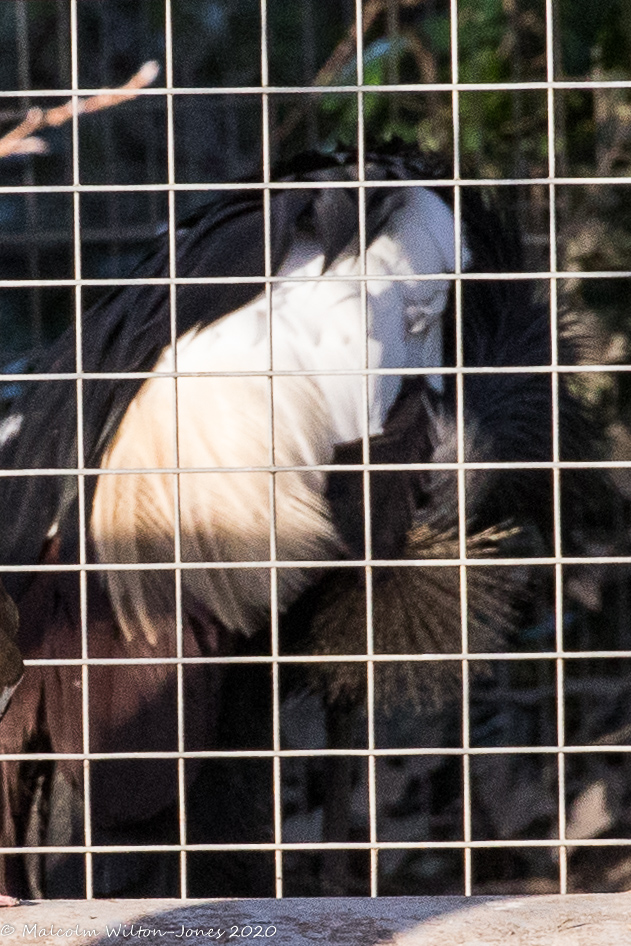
(551, 275)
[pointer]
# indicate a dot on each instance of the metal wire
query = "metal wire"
(306, 185)
(85, 692)
(556, 482)
(368, 570)
(351, 89)
(556, 655)
(273, 570)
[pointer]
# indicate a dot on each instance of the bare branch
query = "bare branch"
(22, 139)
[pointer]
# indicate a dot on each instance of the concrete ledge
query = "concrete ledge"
(581, 920)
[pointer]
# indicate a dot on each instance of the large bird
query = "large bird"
(227, 423)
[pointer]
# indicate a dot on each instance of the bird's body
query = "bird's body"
(229, 416)
(225, 422)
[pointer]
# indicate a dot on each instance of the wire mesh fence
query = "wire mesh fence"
(515, 780)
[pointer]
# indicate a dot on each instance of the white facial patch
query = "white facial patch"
(406, 315)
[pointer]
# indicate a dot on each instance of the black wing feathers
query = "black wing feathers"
(129, 328)
(127, 331)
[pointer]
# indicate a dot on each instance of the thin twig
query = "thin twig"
(22, 139)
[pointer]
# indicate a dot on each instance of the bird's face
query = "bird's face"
(405, 321)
